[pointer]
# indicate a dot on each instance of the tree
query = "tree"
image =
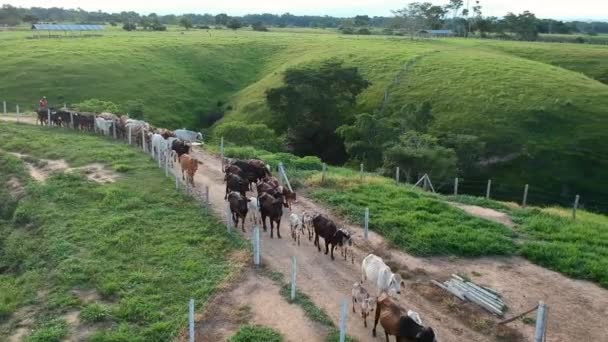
(313, 103)
(421, 15)
(365, 138)
(234, 24)
(362, 20)
(135, 109)
(129, 26)
(186, 23)
(246, 134)
(523, 25)
(418, 153)
(221, 19)
(28, 18)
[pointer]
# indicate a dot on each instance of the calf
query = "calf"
(235, 183)
(379, 274)
(239, 208)
(333, 236)
(395, 322)
(367, 303)
(307, 223)
(254, 208)
(271, 207)
(296, 227)
(290, 197)
(190, 166)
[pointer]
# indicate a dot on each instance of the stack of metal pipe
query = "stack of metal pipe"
(466, 290)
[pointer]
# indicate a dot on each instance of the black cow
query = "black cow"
(238, 208)
(236, 183)
(180, 147)
(328, 230)
(271, 207)
(253, 170)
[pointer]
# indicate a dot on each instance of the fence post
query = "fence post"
(293, 278)
(282, 168)
(143, 140)
(167, 164)
(191, 319)
(361, 171)
(4, 106)
(525, 200)
(456, 186)
(343, 321)
(576, 199)
(48, 114)
(207, 194)
(541, 320)
(72, 120)
(366, 223)
(17, 111)
(228, 218)
(256, 245)
(323, 173)
(222, 151)
(488, 189)
(114, 129)
(176, 178)
(397, 176)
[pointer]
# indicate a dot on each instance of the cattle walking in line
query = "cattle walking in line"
(236, 183)
(380, 275)
(234, 170)
(189, 166)
(290, 197)
(333, 236)
(255, 170)
(254, 208)
(271, 207)
(159, 147)
(188, 136)
(239, 208)
(366, 302)
(307, 223)
(396, 323)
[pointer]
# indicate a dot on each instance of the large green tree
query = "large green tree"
(313, 103)
(365, 138)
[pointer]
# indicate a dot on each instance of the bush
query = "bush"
(135, 109)
(256, 333)
(364, 31)
(259, 27)
(129, 27)
(159, 27)
(308, 163)
(255, 135)
(203, 27)
(347, 30)
(387, 32)
(97, 106)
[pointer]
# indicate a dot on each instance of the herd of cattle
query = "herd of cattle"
(269, 201)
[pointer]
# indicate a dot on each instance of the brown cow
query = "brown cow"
(402, 326)
(238, 208)
(190, 166)
(271, 207)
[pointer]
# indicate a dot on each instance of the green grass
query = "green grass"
(144, 248)
(256, 333)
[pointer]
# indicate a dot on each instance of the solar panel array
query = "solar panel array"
(59, 27)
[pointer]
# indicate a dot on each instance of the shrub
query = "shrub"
(347, 30)
(242, 134)
(203, 27)
(129, 27)
(97, 106)
(259, 27)
(135, 109)
(364, 31)
(308, 163)
(256, 333)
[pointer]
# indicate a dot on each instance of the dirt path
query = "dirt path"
(485, 213)
(577, 308)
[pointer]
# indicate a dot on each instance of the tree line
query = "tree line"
(454, 15)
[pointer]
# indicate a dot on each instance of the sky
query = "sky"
(558, 9)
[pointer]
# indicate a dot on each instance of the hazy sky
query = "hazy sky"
(580, 9)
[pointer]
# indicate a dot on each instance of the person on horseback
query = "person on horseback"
(43, 103)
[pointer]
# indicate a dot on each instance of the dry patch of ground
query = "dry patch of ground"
(41, 169)
(486, 214)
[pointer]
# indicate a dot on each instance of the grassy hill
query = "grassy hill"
(116, 261)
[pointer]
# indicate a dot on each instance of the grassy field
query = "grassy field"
(137, 247)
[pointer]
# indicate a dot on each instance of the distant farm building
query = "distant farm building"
(435, 33)
(68, 30)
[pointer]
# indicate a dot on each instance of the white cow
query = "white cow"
(103, 125)
(188, 136)
(297, 227)
(379, 274)
(254, 209)
(159, 147)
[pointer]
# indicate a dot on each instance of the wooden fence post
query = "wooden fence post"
(456, 186)
(366, 223)
(323, 173)
(293, 278)
(576, 199)
(143, 139)
(361, 171)
(129, 135)
(4, 106)
(525, 200)
(541, 320)
(397, 176)
(191, 320)
(114, 129)
(207, 194)
(72, 120)
(256, 245)
(343, 320)
(488, 189)
(48, 114)
(17, 111)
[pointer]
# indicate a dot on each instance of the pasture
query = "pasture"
(100, 261)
